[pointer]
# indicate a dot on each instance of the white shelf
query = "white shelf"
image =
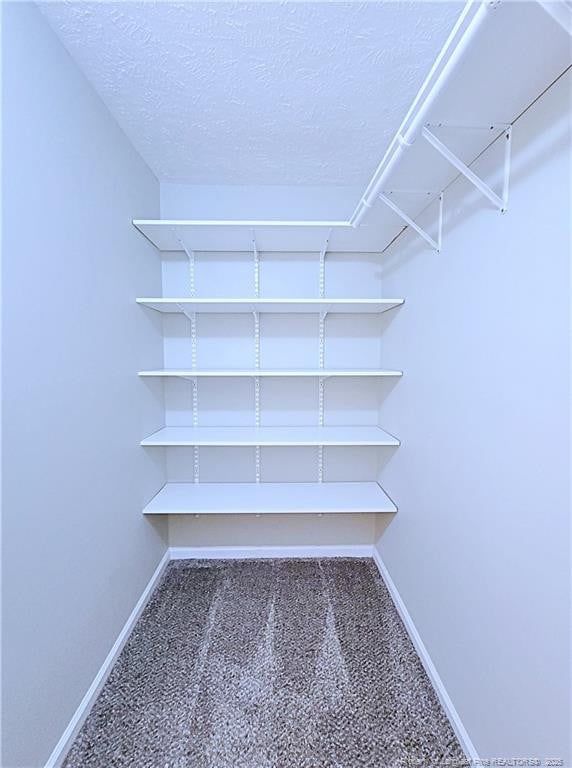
(252, 372)
(286, 236)
(228, 306)
(271, 436)
(269, 498)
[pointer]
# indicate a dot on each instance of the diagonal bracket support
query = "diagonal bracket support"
(435, 244)
(192, 317)
(322, 285)
(191, 257)
(499, 202)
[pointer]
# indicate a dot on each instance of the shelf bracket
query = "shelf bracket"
(256, 316)
(257, 423)
(195, 386)
(499, 202)
(257, 391)
(321, 387)
(196, 464)
(256, 265)
(193, 319)
(322, 339)
(196, 454)
(191, 258)
(194, 381)
(192, 316)
(322, 285)
(435, 244)
(257, 401)
(257, 463)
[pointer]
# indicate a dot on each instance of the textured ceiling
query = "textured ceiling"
(256, 93)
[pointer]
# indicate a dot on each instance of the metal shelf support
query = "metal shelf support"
(196, 451)
(322, 341)
(257, 390)
(499, 202)
(435, 244)
(321, 387)
(322, 286)
(256, 316)
(192, 317)
(194, 381)
(191, 258)
(256, 266)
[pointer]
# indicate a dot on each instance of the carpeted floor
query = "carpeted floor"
(268, 664)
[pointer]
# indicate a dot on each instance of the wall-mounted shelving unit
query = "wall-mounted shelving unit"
(452, 121)
(251, 240)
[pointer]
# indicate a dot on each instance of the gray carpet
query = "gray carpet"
(268, 664)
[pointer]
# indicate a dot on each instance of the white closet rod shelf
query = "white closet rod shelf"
(284, 305)
(271, 436)
(253, 372)
(270, 498)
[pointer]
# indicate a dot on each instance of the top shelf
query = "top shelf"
(285, 236)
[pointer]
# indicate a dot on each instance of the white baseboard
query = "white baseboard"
(422, 652)
(79, 716)
(247, 553)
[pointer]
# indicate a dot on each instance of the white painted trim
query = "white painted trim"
(430, 669)
(60, 750)
(247, 553)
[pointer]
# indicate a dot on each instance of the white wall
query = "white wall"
(77, 550)
(479, 547)
(272, 530)
(195, 201)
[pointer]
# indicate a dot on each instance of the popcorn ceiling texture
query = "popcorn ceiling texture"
(256, 93)
(268, 664)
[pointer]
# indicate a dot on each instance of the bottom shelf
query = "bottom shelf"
(269, 498)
